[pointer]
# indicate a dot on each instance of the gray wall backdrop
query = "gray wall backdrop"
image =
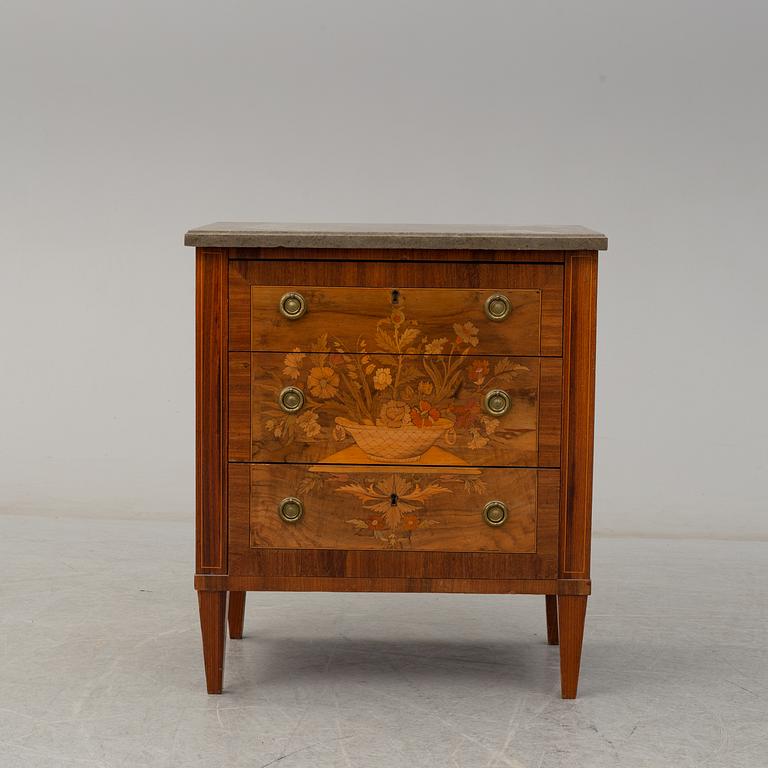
(123, 124)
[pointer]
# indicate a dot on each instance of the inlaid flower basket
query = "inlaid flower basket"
(399, 445)
(397, 395)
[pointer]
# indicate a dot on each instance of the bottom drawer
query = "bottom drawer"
(456, 509)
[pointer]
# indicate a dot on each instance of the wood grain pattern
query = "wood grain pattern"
(240, 407)
(380, 508)
(477, 255)
(430, 313)
(491, 277)
(211, 410)
(236, 614)
(548, 503)
(549, 420)
(551, 609)
(245, 560)
(384, 584)
(213, 612)
(578, 415)
(349, 405)
(240, 283)
(571, 612)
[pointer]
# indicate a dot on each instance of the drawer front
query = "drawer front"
(332, 407)
(395, 319)
(431, 298)
(349, 527)
(381, 508)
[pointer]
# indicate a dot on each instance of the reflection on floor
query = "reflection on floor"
(100, 664)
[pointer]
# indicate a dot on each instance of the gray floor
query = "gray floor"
(100, 664)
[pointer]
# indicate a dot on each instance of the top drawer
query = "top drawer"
(497, 309)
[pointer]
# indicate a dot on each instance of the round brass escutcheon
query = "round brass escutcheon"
(495, 513)
(497, 307)
(293, 305)
(290, 509)
(291, 399)
(497, 402)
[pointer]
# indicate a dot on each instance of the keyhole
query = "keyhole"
(393, 499)
(395, 296)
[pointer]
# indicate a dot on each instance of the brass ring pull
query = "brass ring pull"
(497, 307)
(497, 402)
(495, 513)
(290, 509)
(291, 399)
(293, 305)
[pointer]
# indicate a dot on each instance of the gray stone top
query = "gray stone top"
(240, 234)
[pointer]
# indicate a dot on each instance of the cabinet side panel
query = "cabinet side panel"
(211, 410)
(579, 334)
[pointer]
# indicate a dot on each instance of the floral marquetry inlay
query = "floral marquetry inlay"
(393, 506)
(395, 396)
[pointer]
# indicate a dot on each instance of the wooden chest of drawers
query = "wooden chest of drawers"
(394, 409)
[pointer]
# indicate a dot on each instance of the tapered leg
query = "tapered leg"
(551, 619)
(213, 618)
(236, 614)
(571, 612)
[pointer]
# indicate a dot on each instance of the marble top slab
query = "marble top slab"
(239, 234)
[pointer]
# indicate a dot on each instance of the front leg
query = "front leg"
(571, 612)
(213, 619)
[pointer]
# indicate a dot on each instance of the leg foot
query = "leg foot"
(236, 614)
(571, 610)
(213, 613)
(552, 638)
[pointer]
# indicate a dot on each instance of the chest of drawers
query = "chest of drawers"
(398, 409)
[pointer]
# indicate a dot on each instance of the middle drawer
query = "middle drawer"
(328, 406)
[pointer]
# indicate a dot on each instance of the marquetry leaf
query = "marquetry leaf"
(308, 484)
(505, 365)
(473, 485)
(408, 336)
(419, 493)
(364, 494)
(321, 345)
(386, 341)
